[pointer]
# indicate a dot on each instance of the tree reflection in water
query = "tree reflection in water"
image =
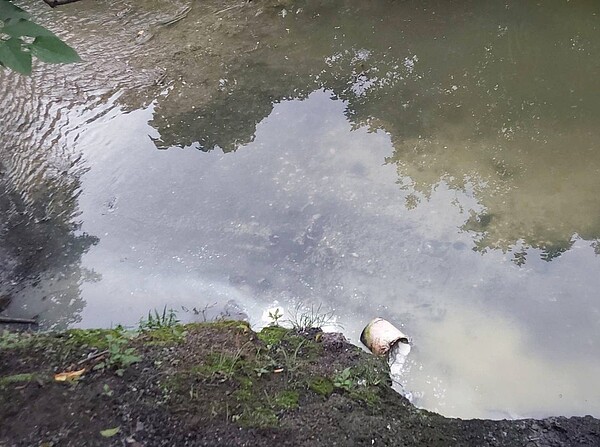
(497, 100)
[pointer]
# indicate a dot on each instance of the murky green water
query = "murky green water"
(434, 163)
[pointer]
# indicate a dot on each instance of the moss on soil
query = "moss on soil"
(321, 385)
(223, 384)
(17, 378)
(272, 335)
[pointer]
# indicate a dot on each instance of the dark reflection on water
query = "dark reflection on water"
(41, 118)
(38, 242)
(501, 98)
(39, 188)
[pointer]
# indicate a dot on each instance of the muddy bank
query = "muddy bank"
(223, 384)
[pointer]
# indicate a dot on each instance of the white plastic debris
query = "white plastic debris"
(380, 336)
(384, 339)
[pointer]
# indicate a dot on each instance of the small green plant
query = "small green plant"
(321, 385)
(106, 391)
(275, 316)
(261, 371)
(225, 365)
(290, 359)
(287, 399)
(303, 318)
(118, 356)
(21, 39)
(371, 374)
(166, 319)
(344, 380)
(162, 327)
(266, 363)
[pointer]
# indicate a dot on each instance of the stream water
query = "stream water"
(433, 163)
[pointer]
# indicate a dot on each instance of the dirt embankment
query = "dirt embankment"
(223, 384)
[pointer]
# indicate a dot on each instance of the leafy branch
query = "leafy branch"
(21, 40)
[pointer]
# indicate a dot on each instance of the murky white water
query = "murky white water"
(315, 208)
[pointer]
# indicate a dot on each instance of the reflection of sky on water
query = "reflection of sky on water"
(490, 107)
(309, 212)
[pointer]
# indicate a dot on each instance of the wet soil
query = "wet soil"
(223, 384)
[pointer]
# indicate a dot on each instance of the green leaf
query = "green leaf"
(53, 50)
(13, 56)
(24, 27)
(110, 432)
(10, 11)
